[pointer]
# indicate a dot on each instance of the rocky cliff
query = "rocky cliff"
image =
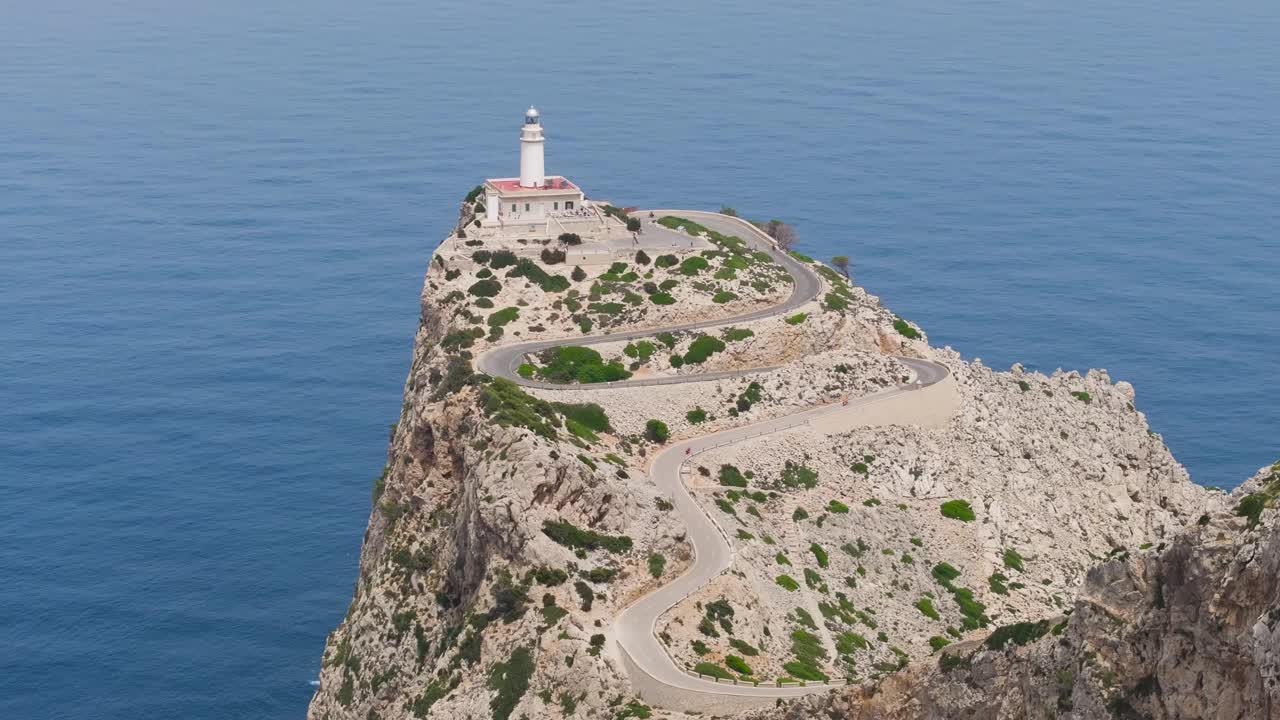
(1187, 629)
(511, 525)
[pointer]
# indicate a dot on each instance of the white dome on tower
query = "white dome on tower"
(531, 115)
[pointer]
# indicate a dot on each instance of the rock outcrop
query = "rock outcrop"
(1189, 629)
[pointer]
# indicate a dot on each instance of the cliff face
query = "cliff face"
(443, 619)
(510, 527)
(1189, 629)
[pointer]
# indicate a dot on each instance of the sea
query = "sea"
(215, 218)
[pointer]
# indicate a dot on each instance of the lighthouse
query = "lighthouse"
(532, 174)
(534, 204)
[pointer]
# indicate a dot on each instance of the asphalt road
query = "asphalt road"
(634, 628)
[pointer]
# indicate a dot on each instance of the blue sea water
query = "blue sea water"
(214, 218)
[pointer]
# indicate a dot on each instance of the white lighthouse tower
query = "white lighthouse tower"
(532, 173)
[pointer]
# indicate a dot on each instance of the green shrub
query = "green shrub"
(661, 298)
(642, 258)
(552, 613)
(787, 582)
(738, 665)
(1017, 634)
(552, 256)
(585, 594)
(731, 476)
(589, 415)
(642, 350)
(974, 611)
(781, 559)
(525, 370)
(809, 653)
(692, 265)
(749, 397)
(799, 514)
(997, 583)
(835, 506)
(570, 363)
(713, 670)
(696, 416)
(656, 431)
(703, 347)
(859, 467)
(797, 318)
(723, 296)
(570, 238)
(945, 572)
(1251, 507)
(832, 301)
(534, 273)
(847, 642)
(736, 334)
(820, 555)
(507, 405)
(347, 691)
(871, 502)
(608, 308)
(666, 261)
(570, 536)
(925, 605)
(1013, 560)
(483, 303)
(676, 361)
(511, 681)
(578, 274)
(905, 329)
(1023, 385)
(812, 579)
(503, 316)
(657, 563)
(937, 642)
(485, 288)
(795, 475)
(958, 510)
(743, 647)
(549, 576)
(1083, 397)
(501, 259)
(948, 662)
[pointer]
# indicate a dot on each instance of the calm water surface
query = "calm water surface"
(214, 219)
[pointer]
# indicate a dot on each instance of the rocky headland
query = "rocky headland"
(1029, 548)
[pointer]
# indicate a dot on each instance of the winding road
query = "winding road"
(653, 673)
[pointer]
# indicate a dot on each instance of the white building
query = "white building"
(533, 199)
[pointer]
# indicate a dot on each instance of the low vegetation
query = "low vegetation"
(958, 510)
(904, 329)
(656, 431)
(571, 536)
(572, 363)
